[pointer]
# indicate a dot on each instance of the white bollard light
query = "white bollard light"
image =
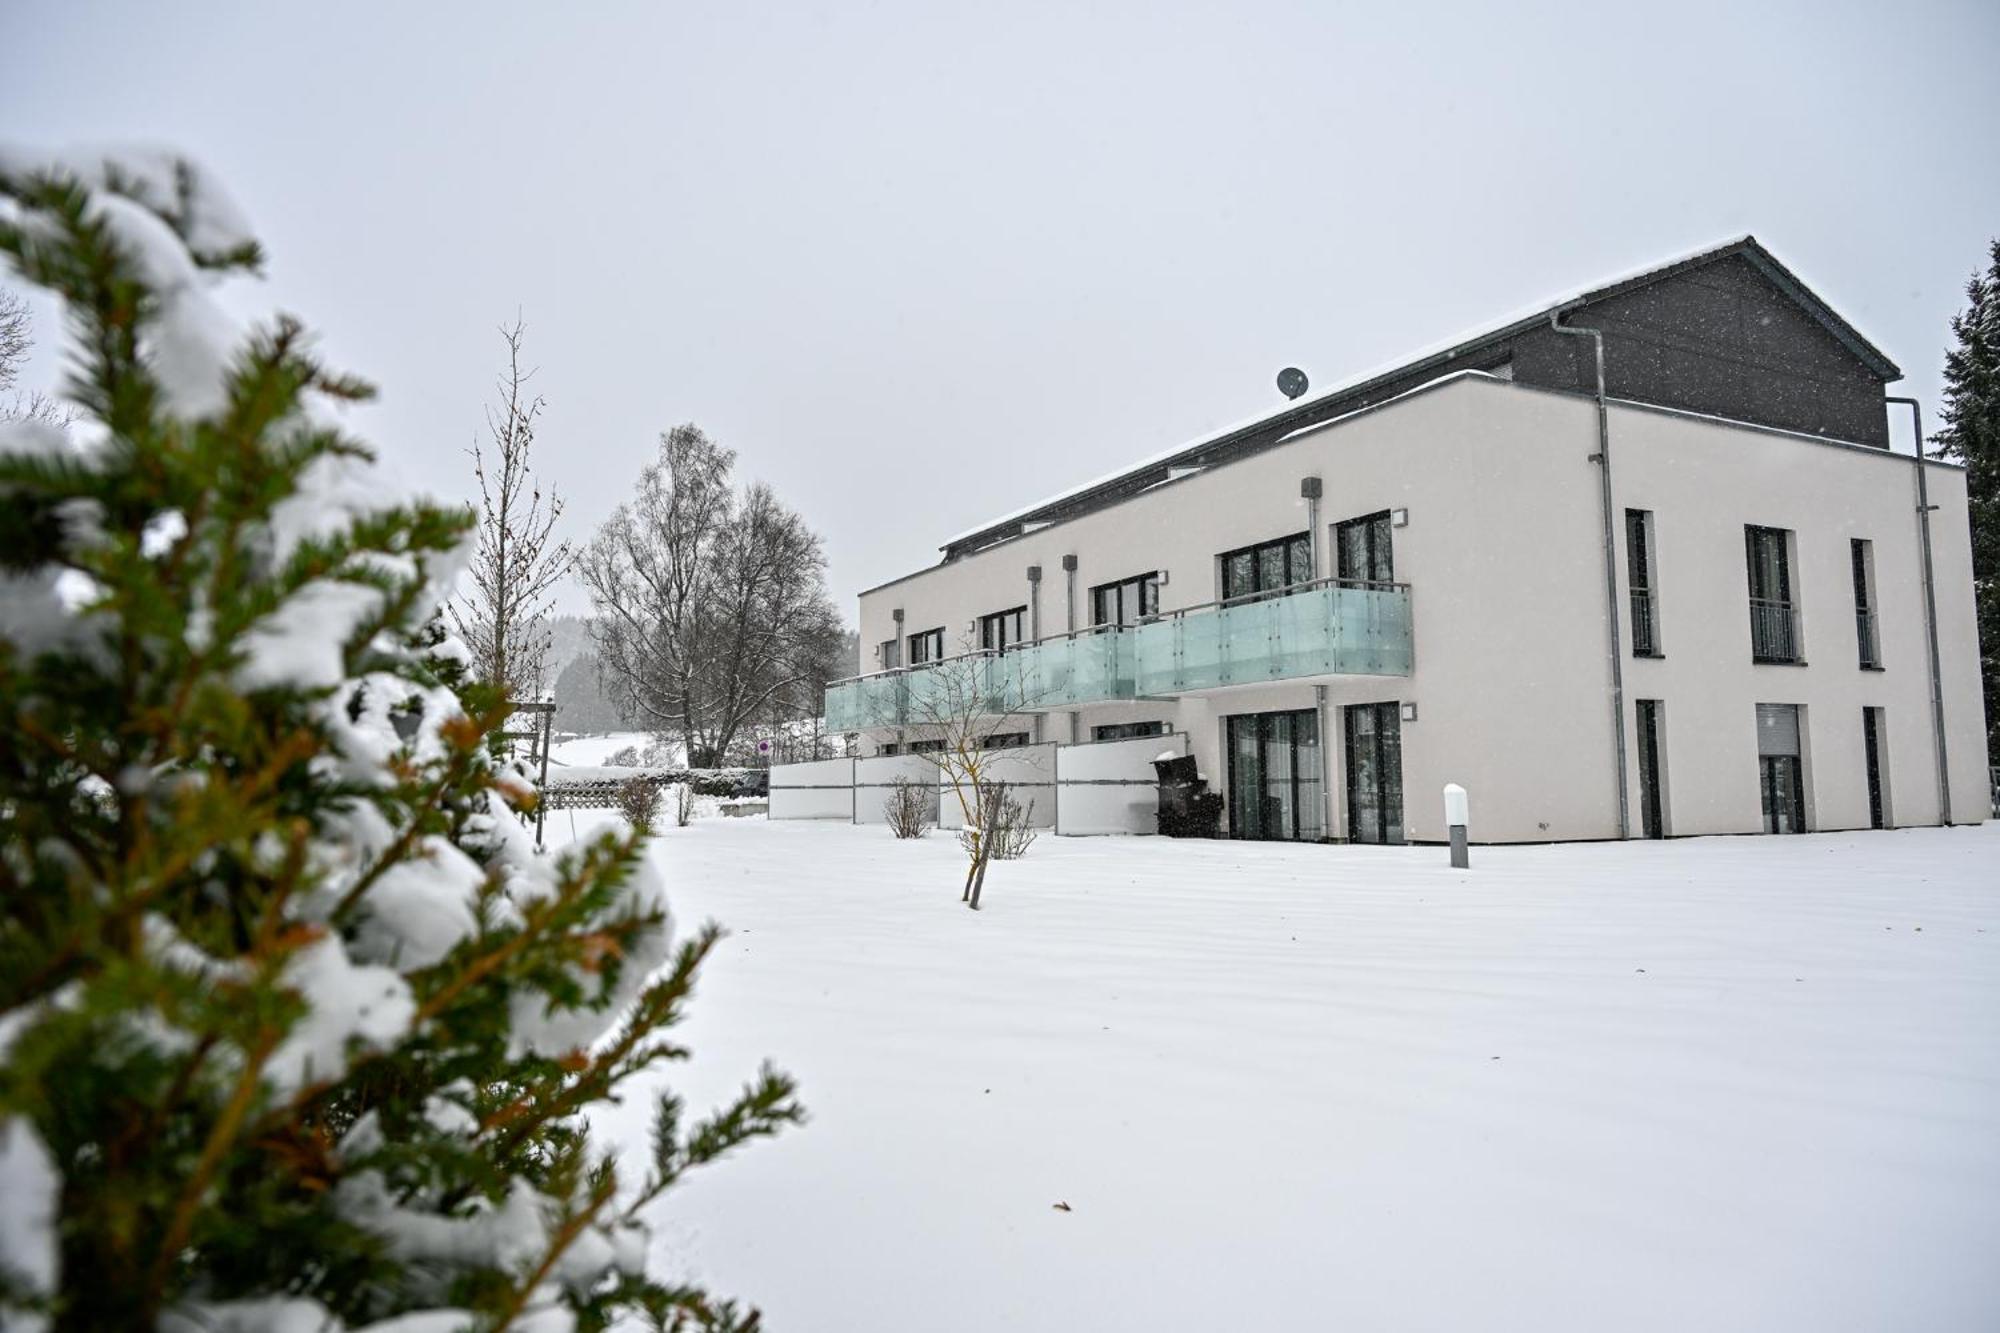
(1455, 819)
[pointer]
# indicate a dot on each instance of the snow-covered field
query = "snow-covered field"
(591, 751)
(1747, 1083)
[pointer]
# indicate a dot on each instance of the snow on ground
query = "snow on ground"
(592, 751)
(1741, 1083)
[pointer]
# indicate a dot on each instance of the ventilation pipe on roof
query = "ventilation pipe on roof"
(1309, 490)
(1924, 507)
(1603, 460)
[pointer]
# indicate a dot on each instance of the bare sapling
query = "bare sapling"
(961, 704)
(518, 562)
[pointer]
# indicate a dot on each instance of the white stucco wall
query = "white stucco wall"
(1503, 554)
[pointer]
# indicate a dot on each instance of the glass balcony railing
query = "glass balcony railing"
(865, 702)
(1330, 628)
(1090, 666)
(1065, 671)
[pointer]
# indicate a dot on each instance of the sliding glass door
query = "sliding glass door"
(1274, 776)
(1374, 773)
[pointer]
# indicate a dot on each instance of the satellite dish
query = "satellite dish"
(1291, 381)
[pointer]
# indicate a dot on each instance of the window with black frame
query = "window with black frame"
(1125, 731)
(1127, 601)
(1003, 629)
(1774, 635)
(1863, 559)
(1362, 550)
(1267, 568)
(1639, 582)
(927, 646)
(1781, 768)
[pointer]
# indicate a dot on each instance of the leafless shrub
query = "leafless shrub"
(1004, 824)
(908, 809)
(639, 802)
(625, 758)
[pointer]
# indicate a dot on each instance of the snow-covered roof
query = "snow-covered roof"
(1534, 313)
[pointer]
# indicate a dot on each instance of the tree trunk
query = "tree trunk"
(979, 882)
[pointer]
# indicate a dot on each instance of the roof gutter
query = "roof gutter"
(1603, 460)
(1924, 508)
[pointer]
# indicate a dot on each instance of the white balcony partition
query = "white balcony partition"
(1030, 774)
(875, 778)
(1111, 787)
(823, 789)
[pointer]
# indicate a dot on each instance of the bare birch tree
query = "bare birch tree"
(711, 609)
(503, 618)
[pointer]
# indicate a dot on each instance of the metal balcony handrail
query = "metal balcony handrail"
(1773, 630)
(1020, 646)
(1266, 594)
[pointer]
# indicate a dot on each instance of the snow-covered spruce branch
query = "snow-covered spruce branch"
(297, 1028)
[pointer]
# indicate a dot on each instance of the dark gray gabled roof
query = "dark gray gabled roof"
(1460, 353)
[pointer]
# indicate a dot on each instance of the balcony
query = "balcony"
(1063, 671)
(1330, 628)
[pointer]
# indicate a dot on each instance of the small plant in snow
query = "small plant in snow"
(1003, 822)
(908, 809)
(684, 804)
(297, 1028)
(639, 802)
(628, 757)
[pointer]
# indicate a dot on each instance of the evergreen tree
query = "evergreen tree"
(297, 1028)
(1971, 435)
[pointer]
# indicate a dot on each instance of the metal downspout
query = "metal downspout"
(1603, 461)
(1924, 508)
(1310, 489)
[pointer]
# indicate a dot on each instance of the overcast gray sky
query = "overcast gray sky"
(920, 264)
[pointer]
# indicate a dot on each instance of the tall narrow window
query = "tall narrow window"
(927, 646)
(1780, 769)
(1639, 581)
(1774, 635)
(1003, 629)
(1127, 601)
(1864, 604)
(1871, 754)
(1652, 799)
(1267, 567)
(1362, 551)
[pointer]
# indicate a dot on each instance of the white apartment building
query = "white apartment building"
(1693, 592)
